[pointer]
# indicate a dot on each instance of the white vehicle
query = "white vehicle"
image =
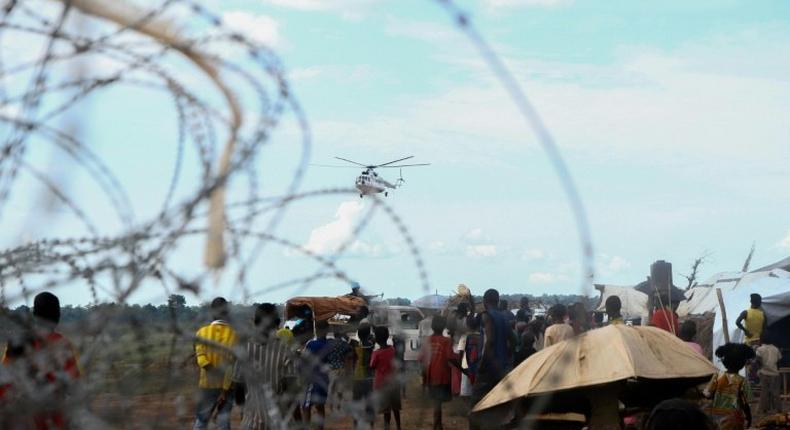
(369, 182)
(403, 321)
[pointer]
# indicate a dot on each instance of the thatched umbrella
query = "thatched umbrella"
(591, 372)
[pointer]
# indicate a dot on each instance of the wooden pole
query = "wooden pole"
(723, 316)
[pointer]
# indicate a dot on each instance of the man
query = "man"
(613, 307)
(316, 369)
(770, 380)
(665, 317)
(497, 348)
(559, 330)
(755, 321)
(524, 313)
(215, 359)
(504, 307)
(261, 373)
(46, 367)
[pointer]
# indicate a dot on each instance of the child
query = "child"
(768, 355)
(363, 377)
(729, 390)
(688, 331)
(437, 368)
(385, 382)
(316, 365)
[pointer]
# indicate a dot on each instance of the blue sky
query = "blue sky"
(673, 118)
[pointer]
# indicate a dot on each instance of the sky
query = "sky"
(673, 118)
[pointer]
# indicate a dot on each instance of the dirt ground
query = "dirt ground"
(176, 410)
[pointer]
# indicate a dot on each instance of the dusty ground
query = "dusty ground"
(176, 410)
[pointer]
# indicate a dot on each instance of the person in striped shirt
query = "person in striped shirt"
(213, 350)
(262, 370)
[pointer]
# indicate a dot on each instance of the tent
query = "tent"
(634, 303)
(736, 287)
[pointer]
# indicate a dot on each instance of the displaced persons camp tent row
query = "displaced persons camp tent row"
(701, 304)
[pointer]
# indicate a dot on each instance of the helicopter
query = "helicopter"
(369, 182)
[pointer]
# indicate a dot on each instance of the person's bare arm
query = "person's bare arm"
(488, 326)
(739, 321)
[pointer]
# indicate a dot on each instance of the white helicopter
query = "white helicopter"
(369, 182)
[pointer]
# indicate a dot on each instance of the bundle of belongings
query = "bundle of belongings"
(775, 422)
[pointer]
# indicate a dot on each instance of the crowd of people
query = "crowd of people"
(282, 376)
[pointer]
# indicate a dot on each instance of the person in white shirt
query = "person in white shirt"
(769, 355)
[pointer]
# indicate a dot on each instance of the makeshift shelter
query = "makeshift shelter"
(736, 287)
(589, 374)
(634, 303)
(324, 308)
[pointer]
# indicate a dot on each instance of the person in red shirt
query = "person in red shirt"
(665, 317)
(47, 359)
(436, 360)
(385, 384)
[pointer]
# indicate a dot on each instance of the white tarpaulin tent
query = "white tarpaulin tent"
(736, 287)
(634, 303)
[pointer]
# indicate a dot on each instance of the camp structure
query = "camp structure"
(591, 373)
(326, 308)
(634, 303)
(736, 287)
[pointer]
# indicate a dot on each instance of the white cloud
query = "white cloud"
(481, 251)
(610, 265)
(438, 247)
(546, 278)
(328, 238)
(304, 73)
(301, 4)
(259, 28)
(523, 3)
(785, 242)
(533, 254)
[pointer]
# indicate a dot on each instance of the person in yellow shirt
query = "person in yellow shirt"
(213, 344)
(613, 307)
(755, 321)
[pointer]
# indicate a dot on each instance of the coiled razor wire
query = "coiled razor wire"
(117, 265)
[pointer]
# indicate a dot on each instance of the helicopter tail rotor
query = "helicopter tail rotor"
(400, 180)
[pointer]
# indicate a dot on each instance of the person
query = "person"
(260, 373)
(524, 313)
(400, 357)
(536, 327)
(471, 355)
(316, 368)
(755, 321)
(213, 344)
(730, 392)
(527, 348)
(436, 368)
(339, 359)
(45, 368)
(614, 307)
(559, 330)
(579, 318)
(665, 317)
(385, 380)
(363, 376)
(678, 414)
(769, 355)
(504, 307)
(497, 348)
(688, 331)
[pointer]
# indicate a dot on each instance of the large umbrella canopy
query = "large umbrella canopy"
(433, 301)
(598, 357)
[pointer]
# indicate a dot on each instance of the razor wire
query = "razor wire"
(118, 264)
